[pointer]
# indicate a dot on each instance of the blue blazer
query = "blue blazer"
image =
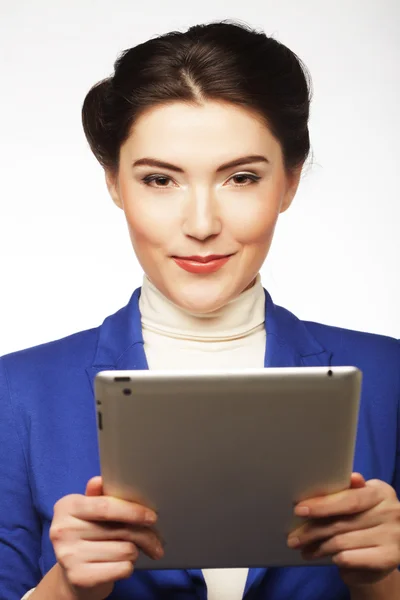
(48, 443)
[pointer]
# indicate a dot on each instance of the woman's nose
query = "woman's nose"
(201, 218)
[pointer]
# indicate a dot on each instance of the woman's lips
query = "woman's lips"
(195, 266)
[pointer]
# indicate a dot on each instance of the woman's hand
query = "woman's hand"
(358, 527)
(97, 539)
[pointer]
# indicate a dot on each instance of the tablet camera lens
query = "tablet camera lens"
(127, 392)
(330, 373)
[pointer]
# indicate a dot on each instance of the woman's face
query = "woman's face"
(201, 181)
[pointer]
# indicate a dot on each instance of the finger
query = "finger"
(357, 480)
(101, 551)
(115, 531)
(85, 574)
(347, 502)
(316, 530)
(119, 551)
(108, 508)
(376, 558)
(149, 542)
(353, 540)
(385, 488)
(94, 486)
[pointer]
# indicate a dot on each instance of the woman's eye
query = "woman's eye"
(245, 176)
(150, 178)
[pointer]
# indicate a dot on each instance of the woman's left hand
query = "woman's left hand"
(358, 527)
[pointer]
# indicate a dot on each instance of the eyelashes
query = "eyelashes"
(151, 178)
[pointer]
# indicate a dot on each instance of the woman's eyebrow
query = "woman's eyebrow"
(244, 160)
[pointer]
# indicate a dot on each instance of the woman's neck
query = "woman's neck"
(240, 317)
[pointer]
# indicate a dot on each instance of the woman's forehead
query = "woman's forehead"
(215, 132)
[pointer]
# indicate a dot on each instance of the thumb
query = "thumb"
(94, 486)
(357, 481)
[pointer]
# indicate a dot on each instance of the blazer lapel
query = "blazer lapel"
(120, 345)
(288, 344)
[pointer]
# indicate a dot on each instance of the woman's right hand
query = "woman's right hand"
(97, 539)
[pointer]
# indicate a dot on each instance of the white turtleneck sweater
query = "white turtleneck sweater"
(231, 337)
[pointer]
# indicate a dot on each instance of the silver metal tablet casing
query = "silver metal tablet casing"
(224, 455)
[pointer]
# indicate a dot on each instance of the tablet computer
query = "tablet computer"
(223, 456)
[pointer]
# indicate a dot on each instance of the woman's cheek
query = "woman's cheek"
(256, 225)
(153, 225)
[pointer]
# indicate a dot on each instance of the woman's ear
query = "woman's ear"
(113, 188)
(293, 180)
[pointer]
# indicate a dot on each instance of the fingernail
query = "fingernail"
(159, 551)
(302, 511)
(293, 542)
(150, 517)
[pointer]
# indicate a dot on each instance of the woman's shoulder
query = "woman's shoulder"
(343, 343)
(352, 339)
(69, 350)
(80, 348)
(377, 355)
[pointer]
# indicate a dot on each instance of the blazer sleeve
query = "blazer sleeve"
(396, 483)
(20, 529)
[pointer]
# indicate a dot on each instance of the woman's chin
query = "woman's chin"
(203, 301)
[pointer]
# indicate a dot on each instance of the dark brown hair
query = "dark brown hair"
(221, 61)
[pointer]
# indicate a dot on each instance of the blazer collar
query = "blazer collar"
(121, 346)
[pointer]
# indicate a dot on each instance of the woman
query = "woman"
(202, 136)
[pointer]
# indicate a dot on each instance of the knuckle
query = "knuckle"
(60, 505)
(342, 560)
(65, 556)
(380, 490)
(127, 569)
(63, 529)
(339, 543)
(57, 532)
(129, 551)
(67, 505)
(380, 487)
(375, 483)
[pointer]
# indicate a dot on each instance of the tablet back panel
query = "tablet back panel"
(224, 455)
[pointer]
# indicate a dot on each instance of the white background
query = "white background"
(66, 258)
